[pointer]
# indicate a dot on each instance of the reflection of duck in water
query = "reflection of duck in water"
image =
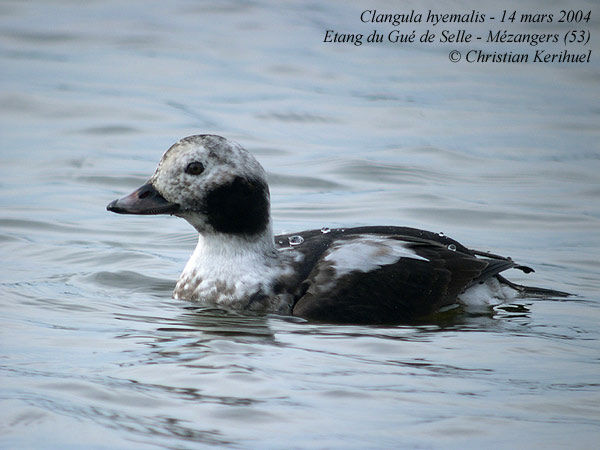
(371, 274)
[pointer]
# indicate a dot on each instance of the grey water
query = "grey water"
(94, 353)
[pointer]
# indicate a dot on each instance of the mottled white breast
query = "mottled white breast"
(231, 274)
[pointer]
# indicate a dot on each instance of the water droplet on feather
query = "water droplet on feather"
(295, 240)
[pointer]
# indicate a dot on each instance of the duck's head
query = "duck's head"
(211, 182)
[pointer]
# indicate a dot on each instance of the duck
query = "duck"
(357, 275)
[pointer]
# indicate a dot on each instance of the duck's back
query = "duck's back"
(382, 274)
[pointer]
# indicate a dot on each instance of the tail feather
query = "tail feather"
(532, 291)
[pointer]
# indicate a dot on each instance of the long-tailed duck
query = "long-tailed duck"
(368, 275)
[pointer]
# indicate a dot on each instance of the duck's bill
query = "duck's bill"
(145, 200)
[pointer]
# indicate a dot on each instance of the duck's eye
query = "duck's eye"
(194, 168)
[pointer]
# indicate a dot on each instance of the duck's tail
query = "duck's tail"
(525, 291)
(532, 291)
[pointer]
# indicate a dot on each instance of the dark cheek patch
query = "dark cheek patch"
(239, 207)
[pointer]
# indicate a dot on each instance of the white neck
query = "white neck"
(226, 269)
(213, 248)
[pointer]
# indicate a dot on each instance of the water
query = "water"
(295, 240)
(95, 353)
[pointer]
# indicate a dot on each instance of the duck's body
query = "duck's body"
(355, 275)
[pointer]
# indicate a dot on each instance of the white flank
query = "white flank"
(367, 252)
(490, 293)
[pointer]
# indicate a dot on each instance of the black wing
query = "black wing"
(384, 274)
